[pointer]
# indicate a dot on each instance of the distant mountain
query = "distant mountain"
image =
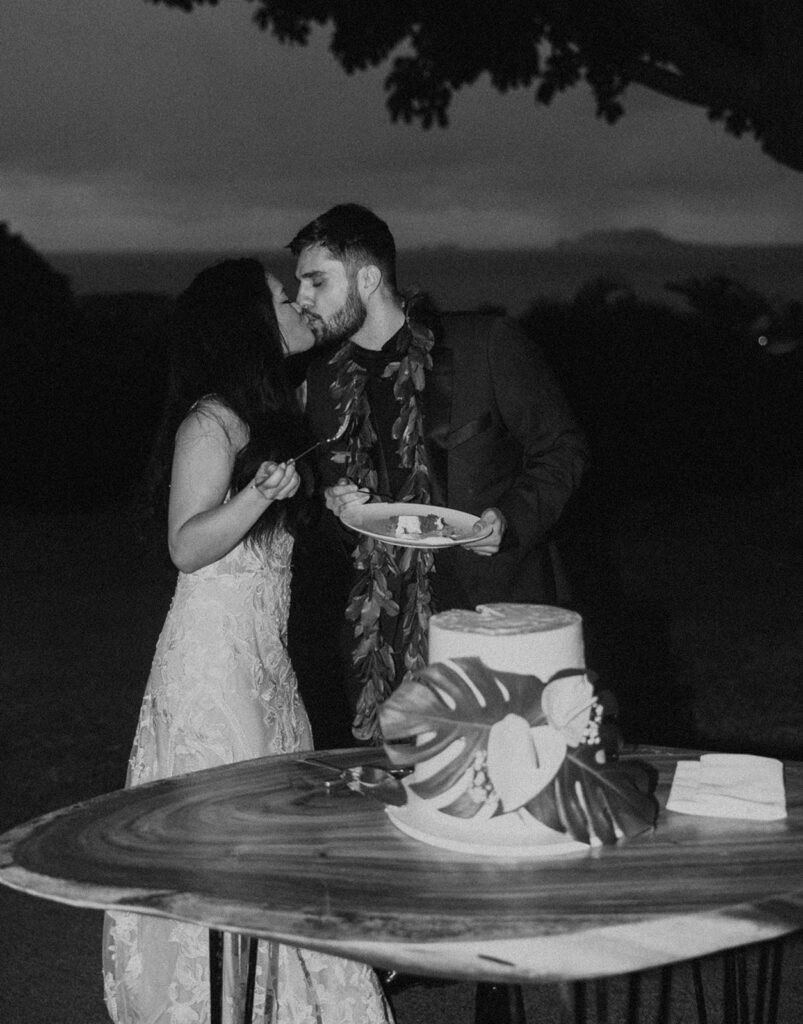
(643, 241)
(647, 242)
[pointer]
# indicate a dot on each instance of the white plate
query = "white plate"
(508, 835)
(374, 520)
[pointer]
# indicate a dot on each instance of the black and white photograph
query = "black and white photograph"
(401, 607)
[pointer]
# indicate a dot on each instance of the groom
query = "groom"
(458, 410)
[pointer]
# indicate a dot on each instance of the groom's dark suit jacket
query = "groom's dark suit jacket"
(499, 434)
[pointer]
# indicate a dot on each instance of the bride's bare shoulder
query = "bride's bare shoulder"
(212, 419)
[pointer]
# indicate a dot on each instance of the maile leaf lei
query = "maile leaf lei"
(377, 563)
(497, 742)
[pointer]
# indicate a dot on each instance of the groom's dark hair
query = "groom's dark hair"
(353, 234)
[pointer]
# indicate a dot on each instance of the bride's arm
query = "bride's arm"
(201, 527)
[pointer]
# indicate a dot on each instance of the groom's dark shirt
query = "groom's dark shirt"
(385, 409)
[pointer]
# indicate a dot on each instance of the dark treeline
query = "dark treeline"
(669, 396)
(674, 401)
(705, 397)
(82, 386)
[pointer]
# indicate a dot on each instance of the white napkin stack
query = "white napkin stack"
(729, 786)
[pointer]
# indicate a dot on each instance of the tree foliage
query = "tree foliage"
(35, 299)
(741, 60)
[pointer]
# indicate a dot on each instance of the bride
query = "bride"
(222, 688)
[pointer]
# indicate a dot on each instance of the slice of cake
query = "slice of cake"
(416, 525)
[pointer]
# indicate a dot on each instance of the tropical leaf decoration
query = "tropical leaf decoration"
(609, 800)
(486, 742)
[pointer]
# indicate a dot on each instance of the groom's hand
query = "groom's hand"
(344, 495)
(488, 545)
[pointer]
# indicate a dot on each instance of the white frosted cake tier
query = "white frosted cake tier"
(529, 639)
(526, 639)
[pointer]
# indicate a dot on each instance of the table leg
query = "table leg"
(735, 986)
(215, 976)
(252, 945)
(634, 999)
(601, 989)
(216, 980)
(665, 995)
(699, 992)
(733, 1000)
(762, 976)
(582, 993)
(768, 983)
(498, 1004)
(741, 984)
(775, 956)
(272, 984)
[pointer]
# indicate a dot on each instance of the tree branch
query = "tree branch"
(727, 75)
(669, 83)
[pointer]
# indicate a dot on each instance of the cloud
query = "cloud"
(132, 125)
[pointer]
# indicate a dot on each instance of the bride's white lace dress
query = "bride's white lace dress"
(222, 689)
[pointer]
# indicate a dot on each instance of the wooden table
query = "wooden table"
(263, 848)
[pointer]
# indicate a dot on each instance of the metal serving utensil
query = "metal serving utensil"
(325, 440)
(375, 782)
(370, 780)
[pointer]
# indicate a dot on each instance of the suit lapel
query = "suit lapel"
(438, 401)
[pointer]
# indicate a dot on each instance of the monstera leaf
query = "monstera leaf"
(589, 797)
(492, 727)
(499, 742)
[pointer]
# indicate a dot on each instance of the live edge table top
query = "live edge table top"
(262, 847)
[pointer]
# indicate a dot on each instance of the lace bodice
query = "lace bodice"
(222, 688)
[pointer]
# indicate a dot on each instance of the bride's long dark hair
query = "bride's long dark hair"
(226, 345)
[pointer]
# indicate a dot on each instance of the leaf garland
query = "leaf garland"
(376, 562)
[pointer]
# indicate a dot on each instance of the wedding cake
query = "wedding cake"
(532, 639)
(502, 730)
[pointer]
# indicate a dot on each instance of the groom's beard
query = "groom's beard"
(343, 324)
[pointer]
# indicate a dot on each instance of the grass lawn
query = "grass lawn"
(718, 579)
(725, 577)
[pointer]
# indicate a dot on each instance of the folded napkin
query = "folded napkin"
(729, 786)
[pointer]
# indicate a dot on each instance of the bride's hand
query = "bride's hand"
(276, 481)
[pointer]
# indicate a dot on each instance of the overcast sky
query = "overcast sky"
(132, 126)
